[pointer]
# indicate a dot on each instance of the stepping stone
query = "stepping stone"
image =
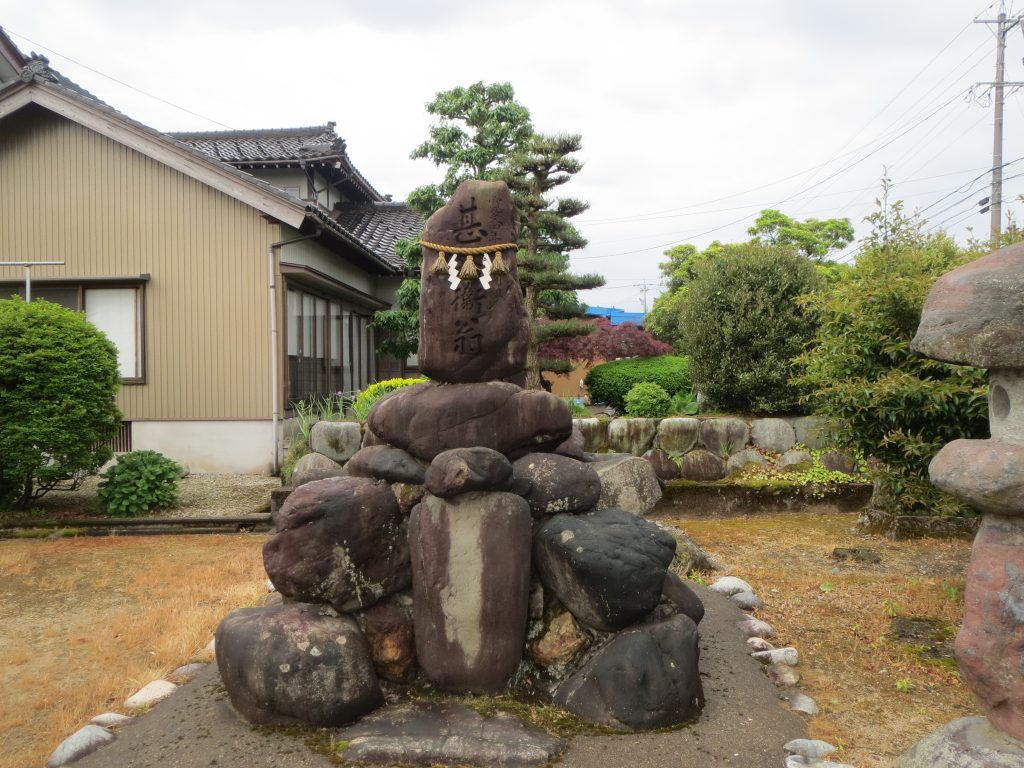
(111, 720)
(801, 702)
(150, 694)
(730, 585)
(430, 733)
(813, 749)
(82, 742)
(186, 672)
(787, 656)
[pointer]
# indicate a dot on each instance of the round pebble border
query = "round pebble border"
(780, 666)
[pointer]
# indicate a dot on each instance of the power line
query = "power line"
(119, 82)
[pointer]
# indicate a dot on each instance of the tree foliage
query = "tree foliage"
(400, 326)
(480, 127)
(607, 342)
(58, 380)
(741, 326)
(543, 165)
(886, 401)
(813, 238)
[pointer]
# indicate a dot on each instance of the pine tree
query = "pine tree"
(547, 237)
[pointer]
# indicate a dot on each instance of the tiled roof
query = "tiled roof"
(378, 226)
(278, 146)
(271, 145)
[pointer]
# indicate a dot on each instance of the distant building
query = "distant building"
(616, 316)
(236, 272)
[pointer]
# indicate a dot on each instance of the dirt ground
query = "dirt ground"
(86, 622)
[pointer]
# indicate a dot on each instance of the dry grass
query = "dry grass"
(877, 696)
(84, 623)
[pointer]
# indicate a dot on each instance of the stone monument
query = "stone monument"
(974, 315)
(521, 579)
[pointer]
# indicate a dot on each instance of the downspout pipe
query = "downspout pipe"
(275, 394)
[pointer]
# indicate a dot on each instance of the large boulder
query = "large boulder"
(573, 445)
(724, 437)
(384, 462)
(990, 645)
(974, 314)
(315, 466)
(557, 483)
(462, 470)
(427, 419)
(340, 541)
(296, 663)
(472, 329)
(677, 434)
(702, 466)
(811, 431)
(775, 435)
(633, 436)
(471, 588)
(629, 484)
(595, 434)
(337, 440)
(664, 466)
(643, 679)
(607, 567)
(682, 597)
(970, 742)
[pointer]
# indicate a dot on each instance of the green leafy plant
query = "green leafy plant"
(827, 586)
(609, 383)
(886, 401)
(576, 408)
(905, 685)
(684, 403)
(648, 400)
(138, 482)
(366, 399)
(58, 381)
(741, 326)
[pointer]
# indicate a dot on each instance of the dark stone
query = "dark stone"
(627, 483)
(340, 541)
(557, 483)
(471, 588)
(278, 496)
(606, 567)
(461, 470)
(664, 466)
(677, 592)
(573, 446)
(837, 461)
(427, 419)
(990, 645)
(702, 466)
(389, 634)
(473, 333)
(857, 554)
(382, 462)
(643, 679)
(974, 314)
(432, 733)
(296, 663)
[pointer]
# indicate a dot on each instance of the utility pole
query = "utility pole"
(1003, 25)
(643, 292)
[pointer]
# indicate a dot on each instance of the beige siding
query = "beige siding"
(69, 193)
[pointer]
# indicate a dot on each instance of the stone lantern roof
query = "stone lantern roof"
(974, 315)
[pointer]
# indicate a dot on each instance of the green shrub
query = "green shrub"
(648, 400)
(887, 402)
(362, 405)
(138, 482)
(684, 403)
(298, 448)
(58, 380)
(742, 325)
(609, 383)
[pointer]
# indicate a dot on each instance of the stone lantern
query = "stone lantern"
(974, 315)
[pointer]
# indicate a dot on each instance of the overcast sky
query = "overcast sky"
(694, 116)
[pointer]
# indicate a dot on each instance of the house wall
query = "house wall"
(70, 193)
